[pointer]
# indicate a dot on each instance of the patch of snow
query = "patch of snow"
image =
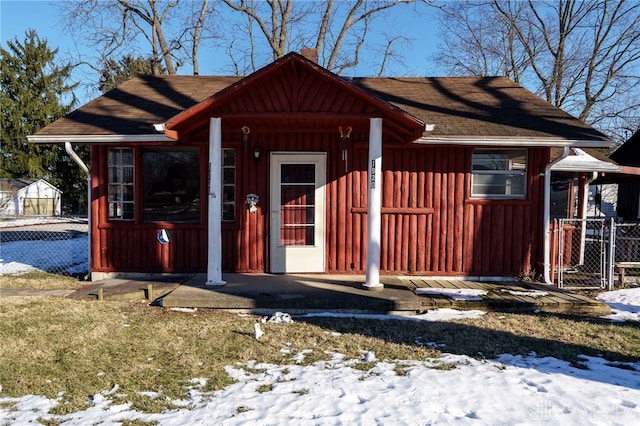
(299, 357)
(278, 317)
(152, 395)
(470, 294)
(257, 331)
(67, 256)
(368, 356)
(625, 304)
(530, 293)
(185, 310)
(13, 222)
(14, 268)
(547, 391)
(442, 314)
(448, 314)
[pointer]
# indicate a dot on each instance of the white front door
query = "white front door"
(297, 212)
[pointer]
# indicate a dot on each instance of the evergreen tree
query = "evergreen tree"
(33, 90)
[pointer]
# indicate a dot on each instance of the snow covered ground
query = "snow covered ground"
(453, 389)
(55, 250)
(68, 257)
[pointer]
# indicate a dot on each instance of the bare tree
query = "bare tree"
(197, 35)
(7, 195)
(172, 30)
(582, 56)
(388, 53)
(476, 41)
(338, 30)
(250, 32)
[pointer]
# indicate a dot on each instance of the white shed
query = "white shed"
(29, 197)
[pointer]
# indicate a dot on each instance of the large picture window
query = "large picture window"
(171, 184)
(499, 173)
(120, 198)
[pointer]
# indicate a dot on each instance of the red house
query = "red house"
(296, 169)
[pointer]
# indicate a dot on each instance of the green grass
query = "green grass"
(39, 280)
(82, 348)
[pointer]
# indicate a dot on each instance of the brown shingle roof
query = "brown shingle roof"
(479, 107)
(483, 107)
(136, 105)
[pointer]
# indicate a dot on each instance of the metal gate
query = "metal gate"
(582, 254)
(590, 251)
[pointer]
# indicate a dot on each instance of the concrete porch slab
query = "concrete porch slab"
(304, 293)
(295, 294)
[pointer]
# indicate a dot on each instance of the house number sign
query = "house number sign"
(373, 174)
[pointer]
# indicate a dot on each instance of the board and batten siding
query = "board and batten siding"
(430, 224)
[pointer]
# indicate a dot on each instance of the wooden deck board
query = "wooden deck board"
(452, 284)
(476, 285)
(498, 297)
(516, 299)
(578, 298)
(434, 284)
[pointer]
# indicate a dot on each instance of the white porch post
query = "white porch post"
(374, 206)
(214, 220)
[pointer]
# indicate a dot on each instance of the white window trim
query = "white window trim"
(509, 172)
(234, 185)
(120, 201)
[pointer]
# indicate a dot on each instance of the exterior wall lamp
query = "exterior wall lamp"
(256, 153)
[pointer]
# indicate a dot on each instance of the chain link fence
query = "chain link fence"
(582, 259)
(626, 260)
(596, 253)
(58, 245)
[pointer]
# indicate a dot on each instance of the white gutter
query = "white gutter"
(98, 139)
(513, 142)
(546, 221)
(80, 163)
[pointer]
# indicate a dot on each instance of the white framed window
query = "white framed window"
(120, 199)
(228, 184)
(499, 173)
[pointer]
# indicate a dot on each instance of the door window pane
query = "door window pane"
(298, 173)
(297, 205)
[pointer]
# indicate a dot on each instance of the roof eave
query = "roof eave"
(593, 166)
(517, 141)
(98, 139)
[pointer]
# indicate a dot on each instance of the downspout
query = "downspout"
(546, 221)
(80, 163)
